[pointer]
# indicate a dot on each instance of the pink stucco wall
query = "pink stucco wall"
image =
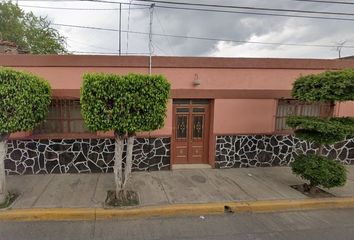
(182, 78)
(244, 116)
(346, 109)
(237, 116)
(233, 113)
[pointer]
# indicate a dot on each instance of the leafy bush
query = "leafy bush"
(125, 104)
(24, 103)
(24, 100)
(329, 86)
(326, 86)
(319, 130)
(319, 171)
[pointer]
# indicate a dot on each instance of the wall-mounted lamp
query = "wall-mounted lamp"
(196, 81)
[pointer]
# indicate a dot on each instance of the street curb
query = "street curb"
(72, 214)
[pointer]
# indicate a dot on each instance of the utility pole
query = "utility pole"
(150, 64)
(340, 47)
(150, 36)
(120, 29)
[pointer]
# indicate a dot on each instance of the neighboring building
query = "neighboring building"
(348, 57)
(7, 47)
(223, 112)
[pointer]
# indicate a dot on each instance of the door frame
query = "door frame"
(209, 143)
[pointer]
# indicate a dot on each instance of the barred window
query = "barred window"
(64, 116)
(287, 107)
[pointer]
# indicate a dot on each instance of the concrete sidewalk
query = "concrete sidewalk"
(164, 187)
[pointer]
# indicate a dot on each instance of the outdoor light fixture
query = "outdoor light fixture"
(196, 81)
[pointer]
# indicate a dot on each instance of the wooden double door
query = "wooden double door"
(190, 131)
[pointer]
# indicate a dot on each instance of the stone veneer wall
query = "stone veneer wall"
(82, 155)
(275, 150)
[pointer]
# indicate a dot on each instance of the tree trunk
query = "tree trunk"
(118, 162)
(129, 159)
(3, 151)
(312, 188)
(320, 150)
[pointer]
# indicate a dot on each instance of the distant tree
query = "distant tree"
(29, 32)
(24, 102)
(126, 105)
(328, 87)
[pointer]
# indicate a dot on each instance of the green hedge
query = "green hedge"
(125, 104)
(326, 86)
(325, 131)
(320, 171)
(24, 100)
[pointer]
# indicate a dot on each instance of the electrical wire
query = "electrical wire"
(89, 45)
(172, 50)
(80, 9)
(105, 53)
(216, 10)
(324, 1)
(204, 38)
(248, 8)
(128, 27)
(154, 44)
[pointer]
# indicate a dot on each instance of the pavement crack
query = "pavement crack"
(217, 187)
(261, 180)
(227, 179)
(163, 188)
(44, 189)
(94, 192)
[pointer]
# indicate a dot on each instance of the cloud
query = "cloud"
(205, 24)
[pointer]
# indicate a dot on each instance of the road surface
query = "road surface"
(311, 225)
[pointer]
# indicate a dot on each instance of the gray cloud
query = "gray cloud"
(206, 24)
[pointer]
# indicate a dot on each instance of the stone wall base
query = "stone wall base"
(82, 155)
(273, 150)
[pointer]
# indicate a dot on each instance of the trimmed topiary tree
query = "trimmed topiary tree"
(126, 105)
(327, 87)
(319, 170)
(25, 99)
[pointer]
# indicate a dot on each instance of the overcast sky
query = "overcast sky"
(240, 27)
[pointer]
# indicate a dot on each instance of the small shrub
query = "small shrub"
(326, 86)
(124, 103)
(319, 171)
(25, 98)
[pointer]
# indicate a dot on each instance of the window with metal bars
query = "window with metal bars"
(289, 107)
(64, 116)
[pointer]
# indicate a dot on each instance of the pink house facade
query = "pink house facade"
(223, 112)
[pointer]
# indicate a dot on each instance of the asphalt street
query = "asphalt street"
(310, 225)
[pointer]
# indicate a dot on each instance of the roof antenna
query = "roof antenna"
(339, 48)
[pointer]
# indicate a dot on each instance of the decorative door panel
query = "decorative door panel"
(190, 131)
(181, 136)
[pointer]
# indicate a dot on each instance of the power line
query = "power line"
(120, 30)
(89, 45)
(130, 4)
(324, 1)
(204, 38)
(258, 13)
(80, 9)
(95, 1)
(111, 53)
(213, 10)
(248, 8)
(150, 36)
(159, 48)
(164, 32)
